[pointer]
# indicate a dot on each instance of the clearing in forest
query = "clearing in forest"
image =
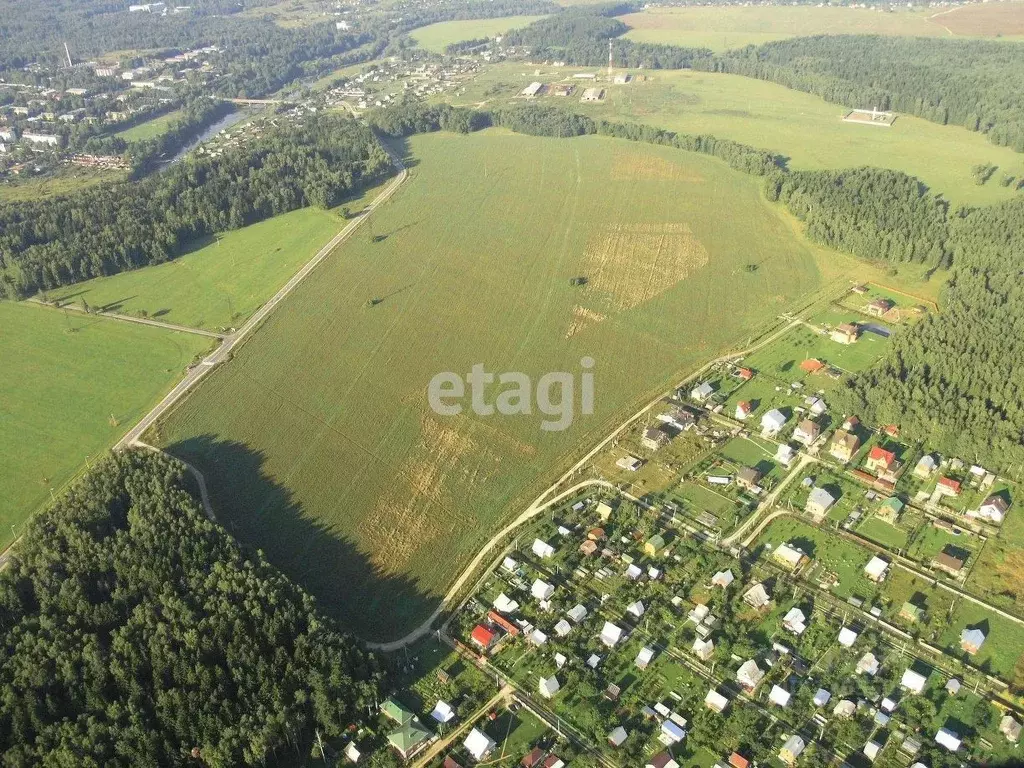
(317, 440)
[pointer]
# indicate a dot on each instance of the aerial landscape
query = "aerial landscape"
(537, 383)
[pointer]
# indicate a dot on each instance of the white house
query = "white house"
(715, 701)
(443, 712)
(702, 392)
(671, 733)
(757, 596)
(871, 750)
(542, 549)
(785, 455)
(563, 628)
(645, 657)
(795, 621)
(577, 614)
(611, 634)
(773, 422)
(479, 744)
(542, 590)
(847, 637)
(537, 637)
(947, 739)
(505, 604)
(549, 686)
(722, 579)
(779, 696)
(636, 609)
(617, 736)
(993, 509)
(822, 697)
(792, 749)
(876, 568)
(868, 665)
(749, 675)
(703, 649)
(913, 681)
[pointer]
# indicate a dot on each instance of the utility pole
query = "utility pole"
(67, 52)
(610, 60)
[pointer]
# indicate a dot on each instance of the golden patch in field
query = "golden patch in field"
(1010, 573)
(409, 515)
(649, 167)
(634, 263)
(582, 318)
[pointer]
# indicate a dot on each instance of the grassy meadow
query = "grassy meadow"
(151, 128)
(436, 37)
(64, 378)
(317, 440)
(804, 128)
(66, 181)
(222, 281)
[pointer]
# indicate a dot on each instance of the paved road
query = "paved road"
(227, 346)
(138, 320)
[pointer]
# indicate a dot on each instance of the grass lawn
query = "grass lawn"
(804, 128)
(318, 441)
(881, 532)
(150, 128)
(721, 28)
(220, 283)
(1004, 639)
(437, 37)
(930, 540)
(68, 180)
(64, 377)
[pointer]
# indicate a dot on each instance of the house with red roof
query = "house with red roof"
(880, 460)
(947, 486)
(482, 637)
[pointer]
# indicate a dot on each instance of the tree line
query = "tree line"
(137, 632)
(317, 160)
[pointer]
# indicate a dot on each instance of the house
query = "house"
(948, 739)
(913, 681)
(879, 307)
(618, 736)
(871, 750)
(847, 637)
(407, 739)
(589, 548)
(604, 511)
(577, 613)
(749, 675)
(971, 640)
(542, 549)
(736, 760)
(815, 405)
(563, 628)
(634, 572)
(744, 374)
(947, 486)
(795, 621)
(654, 545)
(645, 657)
(779, 696)
(743, 409)
(542, 590)
(792, 750)
(757, 596)
(993, 509)
(818, 503)
(890, 509)
(636, 610)
(880, 461)
(715, 701)
(846, 333)
(505, 604)
(722, 579)
(844, 709)
(549, 686)
(671, 733)
(806, 432)
(504, 623)
(1010, 728)
(654, 438)
(537, 637)
(868, 665)
(662, 760)
(912, 613)
(844, 445)
(822, 697)
(482, 637)
(596, 534)
(950, 560)
(926, 466)
(788, 556)
(953, 686)
(352, 753)
(611, 634)
(876, 568)
(702, 392)
(533, 758)
(785, 455)
(811, 365)
(773, 422)
(479, 744)
(443, 712)
(748, 478)
(703, 649)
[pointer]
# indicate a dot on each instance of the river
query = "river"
(212, 130)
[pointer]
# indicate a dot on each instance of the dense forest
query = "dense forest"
(107, 229)
(974, 83)
(954, 381)
(137, 633)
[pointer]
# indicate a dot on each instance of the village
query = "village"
(745, 578)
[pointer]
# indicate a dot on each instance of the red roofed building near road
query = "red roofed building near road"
(880, 460)
(483, 637)
(745, 373)
(948, 486)
(502, 622)
(736, 760)
(811, 365)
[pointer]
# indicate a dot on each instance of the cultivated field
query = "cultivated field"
(723, 27)
(71, 385)
(220, 283)
(1003, 20)
(807, 130)
(436, 37)
(317, 440)
(151, 128)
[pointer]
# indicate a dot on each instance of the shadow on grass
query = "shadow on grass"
(263, 514)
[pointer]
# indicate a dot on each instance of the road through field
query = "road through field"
(223, 352)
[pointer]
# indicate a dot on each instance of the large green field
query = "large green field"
(317, 439)
(437, 37)
(150, 128)
(71, 386)
(804, 128)
(221, 282)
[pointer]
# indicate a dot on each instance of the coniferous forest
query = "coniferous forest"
(137, 633)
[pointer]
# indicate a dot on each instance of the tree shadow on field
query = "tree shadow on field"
(263, 514)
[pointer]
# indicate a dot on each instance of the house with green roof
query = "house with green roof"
(654, 545)
(911, 612)
(407, 739)
(890, 509)
(392, 710)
